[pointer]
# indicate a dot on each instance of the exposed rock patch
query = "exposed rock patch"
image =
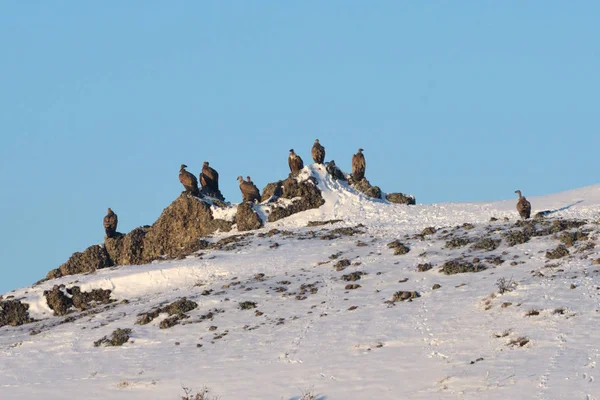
(558, 252)
(458, 267)
(118, 338)
(366, 188)
(93, 258)
(401, 198)
(61, 299)
(272, 191)
(305, 195)
(14, 313)
(246, 218)
(176, 310)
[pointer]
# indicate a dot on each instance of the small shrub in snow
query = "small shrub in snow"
(203, 394)
(247, 305)
(505, 285)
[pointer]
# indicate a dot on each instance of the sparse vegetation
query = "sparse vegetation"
(457, 242)
(247, 305)
(202, 394)
(459, 267)
(520, 341)
(118, 338)
(505, 285)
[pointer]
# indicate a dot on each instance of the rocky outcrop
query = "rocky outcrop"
(215, 193)
(93, 258)
(14, 313)
(178, 229)
(305, 195)
(272, 191)
(366, 188)
(127, 249)
(61, 299)
(246, 218)
(400, 198)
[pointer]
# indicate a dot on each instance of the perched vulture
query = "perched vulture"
(249, 180)
(249, 191)
(189, 181)
(318, 152)
(209, 178)
(110, 223)
(295, 162)
(358, 166)
(523, 206)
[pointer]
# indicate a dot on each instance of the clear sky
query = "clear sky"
(100, 102)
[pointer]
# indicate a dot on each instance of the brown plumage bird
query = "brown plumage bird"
(249, 191)
(358, 166)
(110, 223)
(209, 177)
(318, 152)
(189, 181)
(295, 162)
(523, 206)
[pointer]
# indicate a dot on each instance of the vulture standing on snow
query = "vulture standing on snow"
(189, 181)
(209, 178)
(334, 171)
(358, 166)
(318, 152)
(249, 191)
(110, 223)
(295, 162)
(523, 206)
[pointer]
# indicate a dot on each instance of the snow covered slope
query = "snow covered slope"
(312, 330)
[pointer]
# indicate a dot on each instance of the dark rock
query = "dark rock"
(118, 338)
(14, 313)
(212, 192)
(61, 299)
(459, 267)
(352, 286)
(334, 171)
(424, 267)
(127, 249)
(401, 198)
(179, 228)
(366, 188)
(354, 276)
(436, 286)
(57, 300)
(272, 191)
(247, 305)
(399, 248)
(430, 230)
(84, 300)
(320, 223)
(176, 310)
(516, 237)
(457, 242)
(559, 252)
(305, 195)
(341, 265)
(486, 243)
(403, 295)
(93, 258)
(569, 238)
(246, 218)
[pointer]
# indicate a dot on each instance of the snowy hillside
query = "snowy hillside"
(297, 306)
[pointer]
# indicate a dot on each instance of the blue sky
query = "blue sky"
(100, 102)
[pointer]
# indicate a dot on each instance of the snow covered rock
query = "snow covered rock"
(400, 198)
(304, 195)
